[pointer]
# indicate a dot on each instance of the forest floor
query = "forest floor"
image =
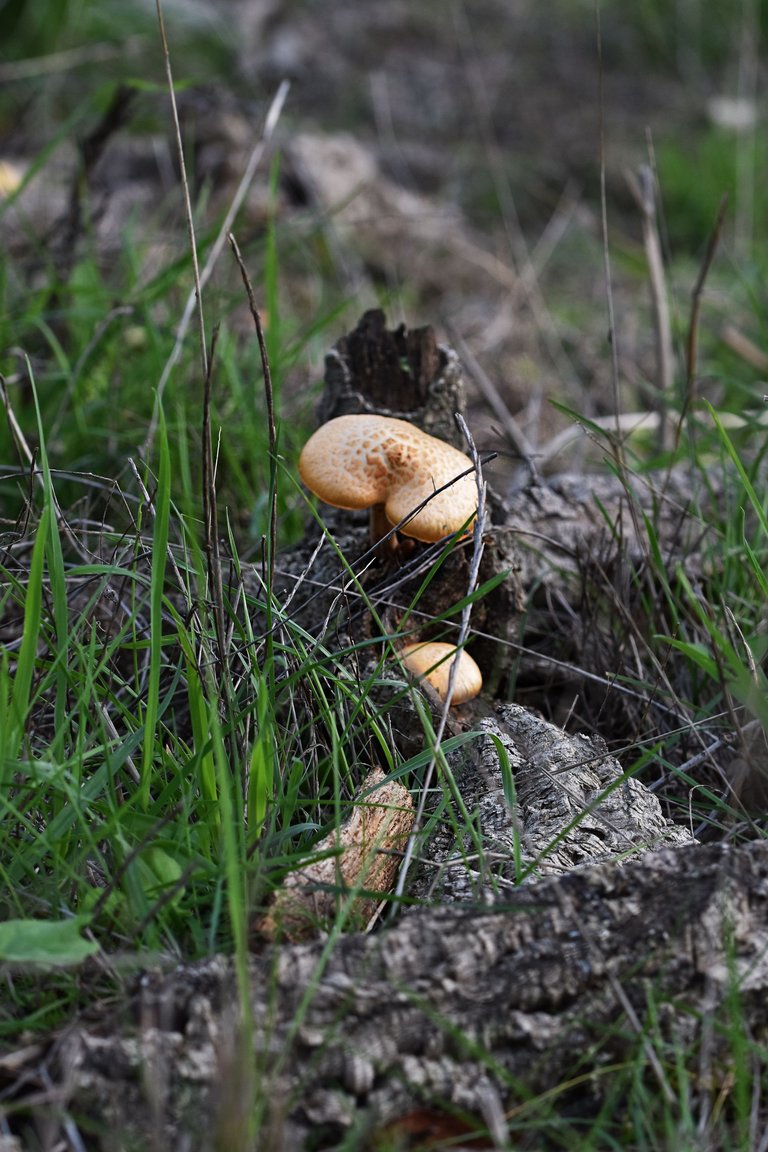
(547, 192)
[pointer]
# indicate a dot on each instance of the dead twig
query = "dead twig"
(270, 402)
(692, 338)
(643, 188)
(273, 115)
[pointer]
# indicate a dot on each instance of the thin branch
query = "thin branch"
(273, 115)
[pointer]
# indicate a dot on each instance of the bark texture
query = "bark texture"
(541, 802)
(459, 1006)
(402, 373)
(491, 992)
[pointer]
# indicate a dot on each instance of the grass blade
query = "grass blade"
(161, 511)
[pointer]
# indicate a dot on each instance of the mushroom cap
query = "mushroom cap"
(432, 659)
(357, 461)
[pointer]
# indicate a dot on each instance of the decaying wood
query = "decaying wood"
(452, 1005)
(547, 536)
(402, 373)
(353, 867)
(566, 803)
(492, 991)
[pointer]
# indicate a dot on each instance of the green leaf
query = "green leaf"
(165, 867)
(697, 653)
(749, 488)
(261, 777)
(52, 942)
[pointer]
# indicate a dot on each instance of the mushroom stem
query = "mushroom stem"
(379, 527)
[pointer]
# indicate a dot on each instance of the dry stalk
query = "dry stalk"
(692, 339)
(743, 347)
(206, 362)
(615, 376)
(270, 401)
(185, 186)
(643, 190)
(273, 115)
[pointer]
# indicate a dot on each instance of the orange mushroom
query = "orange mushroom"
(432, 660)
(391, 467)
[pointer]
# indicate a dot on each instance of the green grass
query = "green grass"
(717, 155)
(159, 777)
(698, 38)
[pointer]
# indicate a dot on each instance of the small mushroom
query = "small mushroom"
(432, 660)
(389, 465)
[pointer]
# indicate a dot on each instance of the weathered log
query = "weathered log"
(401, 372)
(452, 1007)
(565, 803)
(470, 1005)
